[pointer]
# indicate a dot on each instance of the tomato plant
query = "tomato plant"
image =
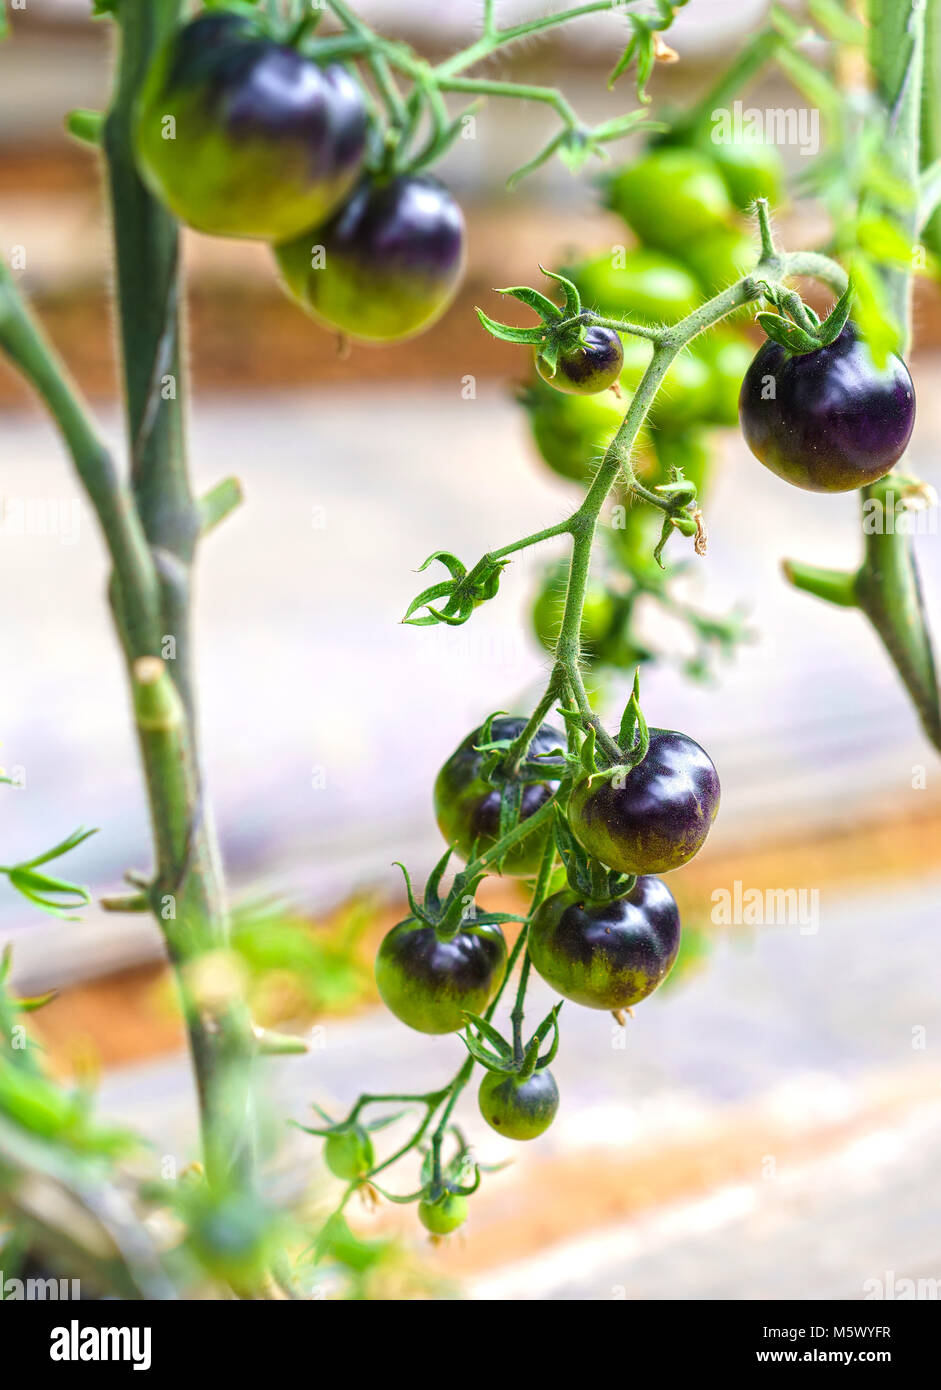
(321, 138)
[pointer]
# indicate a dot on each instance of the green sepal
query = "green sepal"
(535, 299)
(573, 300)
(786, 333)
(507, 333)
(633, 735)
(835, 322)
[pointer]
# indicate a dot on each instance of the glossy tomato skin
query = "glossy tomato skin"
(386, 266)
(591, 367)
(606, 955)
(654, 818)
(349, 1153)
(443, 1216)
(429, 983)
(835, 421)
(264, 141)
(467, 808)
(519, 1109)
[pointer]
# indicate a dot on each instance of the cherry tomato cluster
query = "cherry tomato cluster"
(243, 136)
(606, 941)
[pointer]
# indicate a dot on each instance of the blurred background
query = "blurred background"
(769, 1125)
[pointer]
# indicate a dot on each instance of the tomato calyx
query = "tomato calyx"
(448, 913)
(488, 1046)
(573, 349)
(795, 326)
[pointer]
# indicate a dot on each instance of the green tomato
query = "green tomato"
(684, 393)
(516, 1108)
(444, 1215)
(640, 285)
(721, 257)
(234, 1238)
(573, 432)
(349, 1153)
(671, 196)
(750, 169)
(729, 357)
(597, 614)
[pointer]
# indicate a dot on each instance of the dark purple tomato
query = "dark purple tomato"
(517, 1108)
(386, 266)
(653, 817)
(241, 136)
(829, 420)
(467, 808)
(428, 983)
(606, 955)
(592, 366)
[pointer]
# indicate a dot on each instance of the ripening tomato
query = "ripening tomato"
(606, 955)
(653, 817)
(591, 366)
(242, 136)
(386, 266)
(429, 982)
(519, 1109)
(467, 807)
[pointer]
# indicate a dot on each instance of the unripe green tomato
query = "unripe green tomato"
(750, 169)
(640, 285)
(721, 257)
(349, 1153)
(516, 1108)
(573, 432)
(597, 613)
(684, 393)
(443, 1216)
(728, 356)
(670, 197)
(234, 1239)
